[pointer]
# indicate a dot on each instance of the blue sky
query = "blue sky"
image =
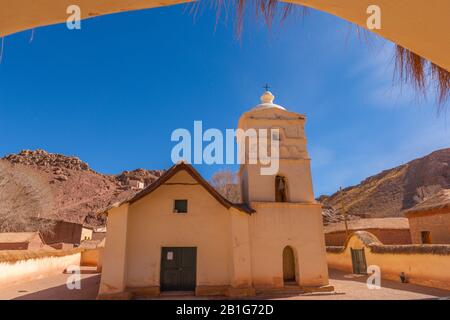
(113, 92)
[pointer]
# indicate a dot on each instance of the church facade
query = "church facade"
(180, 234)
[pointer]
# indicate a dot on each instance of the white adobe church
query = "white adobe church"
(180, 234)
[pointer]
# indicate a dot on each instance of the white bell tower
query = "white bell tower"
(293, 181)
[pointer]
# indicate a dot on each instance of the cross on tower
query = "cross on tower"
(267, 87)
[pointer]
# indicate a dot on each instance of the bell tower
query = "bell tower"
(293, 182)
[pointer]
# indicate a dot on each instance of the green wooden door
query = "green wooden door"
(359, 261)
(178, 269)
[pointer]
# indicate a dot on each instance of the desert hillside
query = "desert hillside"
(61, 187)
(391, 191)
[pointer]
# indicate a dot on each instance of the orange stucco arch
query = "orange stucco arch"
(419, 25)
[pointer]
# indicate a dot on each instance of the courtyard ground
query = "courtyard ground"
(347, 287)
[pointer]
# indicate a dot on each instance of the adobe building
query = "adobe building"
(86, 233)
(65, 234)
(429, 221)
(180, 234)
(387, 230)
(21, 241)
(99, 233)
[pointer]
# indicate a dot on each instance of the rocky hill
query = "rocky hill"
(61, 187)
(333, 215)
(390, 192)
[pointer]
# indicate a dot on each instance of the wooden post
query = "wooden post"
(344, 213)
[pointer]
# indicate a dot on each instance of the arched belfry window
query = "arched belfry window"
(280, 189)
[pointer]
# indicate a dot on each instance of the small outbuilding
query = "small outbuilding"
(429, 220)
(65, 234)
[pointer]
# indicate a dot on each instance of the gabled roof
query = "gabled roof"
(182, 166)
(440, 200)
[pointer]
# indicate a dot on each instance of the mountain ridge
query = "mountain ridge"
(56, 186)
(394, 190)
(63, 187)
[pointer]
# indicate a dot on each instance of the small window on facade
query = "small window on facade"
(180, 206)
(426, 237)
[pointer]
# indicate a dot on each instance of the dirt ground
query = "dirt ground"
(347, 287)
(54, 288)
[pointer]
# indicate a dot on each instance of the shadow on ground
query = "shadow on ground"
(88, 291)
(337, 275)
(347, 287)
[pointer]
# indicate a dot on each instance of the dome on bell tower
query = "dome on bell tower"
(267, 102)
(291, 159)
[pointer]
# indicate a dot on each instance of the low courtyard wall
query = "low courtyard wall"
(21, 265)
(427, 265)
(386, 236)
(92, 257)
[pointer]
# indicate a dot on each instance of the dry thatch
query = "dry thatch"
(415, 70)
(268, 9)
(439, 249)
(375, 246)
(18, 255)
(410, 67)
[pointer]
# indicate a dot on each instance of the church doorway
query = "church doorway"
(178, 268)
(288, 265)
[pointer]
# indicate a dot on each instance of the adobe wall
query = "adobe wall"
(152, 224)
(423, 265)
(277, 225)
(437, 222)
(386, 236)
(92, 257)
(19, 266)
